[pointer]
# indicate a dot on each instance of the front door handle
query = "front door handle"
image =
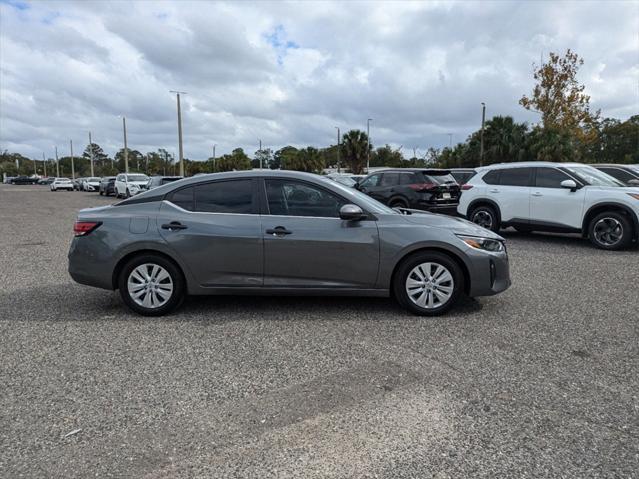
(494, 190)
(278, 231)
(537, 193)
(174, 225)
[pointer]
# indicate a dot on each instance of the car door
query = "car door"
(215, 230)
(512, 194)
(554, 206)
(307, 245)
(371, 186)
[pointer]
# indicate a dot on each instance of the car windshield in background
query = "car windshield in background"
(93, 179)
(593, 176)
(165, 181)
(439, 178)
(345, 180)
(362, 199)
(137, 178)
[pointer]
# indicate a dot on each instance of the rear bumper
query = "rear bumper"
(87, 265)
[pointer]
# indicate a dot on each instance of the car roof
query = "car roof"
(527, 164)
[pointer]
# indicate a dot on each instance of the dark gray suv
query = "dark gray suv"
(280, 232)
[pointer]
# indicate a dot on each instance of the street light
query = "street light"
(214, 145)
(179, 119)
(72, 165)
(91, 153)
(126, 149)
(57, 163)
(368, 144)
(481, 149)
(337, 127)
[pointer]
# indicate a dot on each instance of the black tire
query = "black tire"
(406, 268)
(127, 194)
(177, 296)
(101, 193)
(610, 230)
(485, 216)
(398, 203)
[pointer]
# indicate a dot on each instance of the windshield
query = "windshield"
(137, 178)
(363, 200)
(593, 176)
(93, 179)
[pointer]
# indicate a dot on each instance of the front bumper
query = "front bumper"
(489, 272)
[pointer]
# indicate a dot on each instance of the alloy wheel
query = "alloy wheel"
(608, 231)
(150, 285)
(484, 219)
(430, 285)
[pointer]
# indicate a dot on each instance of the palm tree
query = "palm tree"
(354, 145)
(504, 140)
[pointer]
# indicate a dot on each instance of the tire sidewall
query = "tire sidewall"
(490, 210)
(176, 276)
(626, 239)
(399, 281)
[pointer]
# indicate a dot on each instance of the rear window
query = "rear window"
(138, 178)
(439, 178)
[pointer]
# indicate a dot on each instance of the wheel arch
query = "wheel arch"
(483, 202)
(432, 249)
(610, 206)
(127, 257)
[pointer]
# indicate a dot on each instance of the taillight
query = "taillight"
(83, 228)
(422, 186)
(466, 187)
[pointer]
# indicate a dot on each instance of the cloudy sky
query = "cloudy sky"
(289, 73)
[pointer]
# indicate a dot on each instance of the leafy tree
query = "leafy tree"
(98, 152)
(548, 144)
(386, 156)
(617, 141)
(558, 96)
(284, 157)
(263, 155)
(354, 150)
(307, 159)
(237, 160)
(504, 140)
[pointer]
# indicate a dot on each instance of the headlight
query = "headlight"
(485, 244)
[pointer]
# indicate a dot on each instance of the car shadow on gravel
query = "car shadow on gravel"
(70, 302)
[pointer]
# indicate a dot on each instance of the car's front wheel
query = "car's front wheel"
(151, 285)
(428, 283)
(610, 230)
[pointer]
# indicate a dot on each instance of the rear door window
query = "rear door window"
(390, 179)
(234, 197)
(408, 179)
(492, 177)
(515, 177)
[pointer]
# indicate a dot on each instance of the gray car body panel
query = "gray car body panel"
(223, 253)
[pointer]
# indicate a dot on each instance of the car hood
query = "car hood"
(456, 225)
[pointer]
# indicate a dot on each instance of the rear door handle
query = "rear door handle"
(494, 190)
(278, 231)
(537, 193)
(174, 225)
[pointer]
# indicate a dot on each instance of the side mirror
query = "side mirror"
(351, 213)
(569, 184)
(356, 186)
(633, 182)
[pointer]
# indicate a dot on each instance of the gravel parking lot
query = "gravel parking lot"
(540, 381)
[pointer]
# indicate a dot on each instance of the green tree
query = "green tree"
(504, 140)
(354, 150)
(386, 156)
(307, 159)
(265, 155)
(617, 142)
(284, 157)
(237, 160)
(560, 99)
(548, 144)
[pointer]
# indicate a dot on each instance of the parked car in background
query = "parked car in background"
(415, 188)
(280, 232)
(91, 183)
(130, 184)
(462, 175)
(107, 186)
(559, 197)
(156, 181)
(77, 183)
(61, 184)
(23, 180)
(46, 181)
(343, 178)
(627, 174)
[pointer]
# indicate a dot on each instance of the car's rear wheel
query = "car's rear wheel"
(151, 285)
(486, 217)
(398, 203)
(428, 283)
(610, 230)
(128, 193)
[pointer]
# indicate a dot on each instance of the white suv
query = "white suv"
(560, 197)
(130, 184)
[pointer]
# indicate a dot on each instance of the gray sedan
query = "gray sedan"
(280, 232)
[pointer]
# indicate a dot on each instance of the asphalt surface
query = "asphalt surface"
(540, 381)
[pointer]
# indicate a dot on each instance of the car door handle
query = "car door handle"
(174, 225)
(278, 231)
(494, 190)
(537, 193)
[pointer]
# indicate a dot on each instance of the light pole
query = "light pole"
(214, 145)
(337, 127)
(368, 144)
(126, 148)
(45, 165)
(450, 140)
(481, 148)
(91, 153)
(72, 165)
(179, 119)
(57, 163)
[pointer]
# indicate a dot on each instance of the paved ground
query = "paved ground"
(541, 381)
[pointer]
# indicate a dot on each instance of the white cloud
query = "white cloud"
(288, 73)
